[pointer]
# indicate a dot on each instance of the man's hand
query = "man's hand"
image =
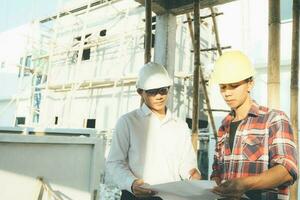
(270, 178)
(194, 174)
(233, 189)
(141, 192)
(217, 180)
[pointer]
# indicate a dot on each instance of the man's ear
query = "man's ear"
(250, 85)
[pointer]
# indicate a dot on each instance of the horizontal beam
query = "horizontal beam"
(94, 5)
(178, 7)
(93, 85)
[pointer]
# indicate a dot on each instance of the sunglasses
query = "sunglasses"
(161, 91)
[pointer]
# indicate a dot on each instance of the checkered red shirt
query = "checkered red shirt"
(263, 139)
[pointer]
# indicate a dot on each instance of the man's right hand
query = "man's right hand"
(139, 191)
(217, 180)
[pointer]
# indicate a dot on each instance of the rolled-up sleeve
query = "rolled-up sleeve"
(117, 169)
(216, 166)
(282, 148)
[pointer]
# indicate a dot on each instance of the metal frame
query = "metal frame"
(97, 147)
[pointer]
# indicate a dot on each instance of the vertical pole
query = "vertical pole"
(196, 74)
(148, 35)
(274, 55)
(210, 114)
(294, 84)
(74, 69)
(213, 15)
(44, 116)
(148, 31)
(189, 19)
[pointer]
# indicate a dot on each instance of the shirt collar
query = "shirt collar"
(147, 111)
(254, 111)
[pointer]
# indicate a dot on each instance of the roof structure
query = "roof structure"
(178, 7)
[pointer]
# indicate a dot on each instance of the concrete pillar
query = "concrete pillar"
(165, 44)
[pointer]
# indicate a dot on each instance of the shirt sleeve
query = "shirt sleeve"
(188, 159)
(216, 161)
(117, 169)
(282, 148)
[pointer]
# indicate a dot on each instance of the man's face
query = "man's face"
(235, 94)
(155, 99)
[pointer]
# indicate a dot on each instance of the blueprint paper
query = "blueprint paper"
(185, 190)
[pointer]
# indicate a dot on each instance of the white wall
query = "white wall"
(7, 113)
(15, 43)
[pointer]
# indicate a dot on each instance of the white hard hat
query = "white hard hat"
(153, 75)
(232, 67)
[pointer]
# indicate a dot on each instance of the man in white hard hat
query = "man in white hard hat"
(150, 144)
(255, 153)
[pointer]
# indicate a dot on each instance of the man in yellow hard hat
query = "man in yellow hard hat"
(150, 144)
(255, 154)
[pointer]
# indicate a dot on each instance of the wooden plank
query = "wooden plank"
(274, 55)
(148, 31)
(196, 44)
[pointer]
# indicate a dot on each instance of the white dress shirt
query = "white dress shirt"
(143, 146)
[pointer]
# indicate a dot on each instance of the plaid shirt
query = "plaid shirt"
(263, 139)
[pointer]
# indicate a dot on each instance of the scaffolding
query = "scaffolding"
(43, 59)
(48, 52)
(88, 40)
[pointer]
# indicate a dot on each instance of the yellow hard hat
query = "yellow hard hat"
(232, 67)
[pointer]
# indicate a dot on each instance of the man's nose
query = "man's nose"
(158, 96)
(227, 92)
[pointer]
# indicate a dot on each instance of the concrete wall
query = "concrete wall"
(72, 166)
(15, 44)
(7, 113)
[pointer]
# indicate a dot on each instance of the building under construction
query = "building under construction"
(71, 75)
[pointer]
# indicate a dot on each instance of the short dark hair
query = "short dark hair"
(139, 90)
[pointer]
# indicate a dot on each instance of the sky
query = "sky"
(286, 9)
(17, 12)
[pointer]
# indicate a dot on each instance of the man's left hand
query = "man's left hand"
(232, 189)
